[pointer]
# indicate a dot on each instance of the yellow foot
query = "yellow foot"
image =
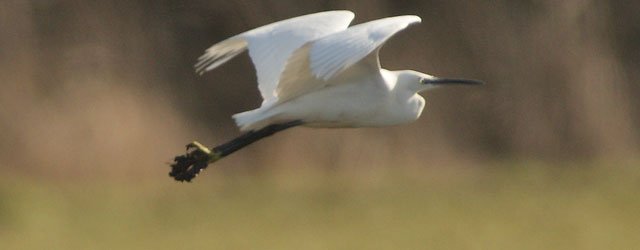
(198, 147)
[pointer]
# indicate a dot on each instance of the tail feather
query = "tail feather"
(251, 120)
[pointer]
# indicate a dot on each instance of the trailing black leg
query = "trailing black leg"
(186, 167)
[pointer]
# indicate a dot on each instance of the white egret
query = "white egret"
(315, 71)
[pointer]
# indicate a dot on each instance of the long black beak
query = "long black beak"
(441, 81)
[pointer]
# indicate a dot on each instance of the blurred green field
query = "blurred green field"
(505, 207)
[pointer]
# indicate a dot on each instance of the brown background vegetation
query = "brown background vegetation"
(97, 96)
(108, 87)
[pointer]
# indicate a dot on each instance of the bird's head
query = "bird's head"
(417, 82)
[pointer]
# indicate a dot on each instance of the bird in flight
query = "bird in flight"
(315, 71)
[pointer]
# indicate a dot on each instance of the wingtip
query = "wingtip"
(347, 12)
(339, 14)
(413, 18)
(199, 68)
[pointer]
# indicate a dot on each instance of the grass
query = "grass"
(516, 207)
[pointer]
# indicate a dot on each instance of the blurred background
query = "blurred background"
(98, 96)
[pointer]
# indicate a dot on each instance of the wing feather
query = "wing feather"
(220, 53)
(315, 64)
(336, 52)
(271, 45)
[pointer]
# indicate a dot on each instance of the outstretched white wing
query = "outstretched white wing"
(271, 45)
(313, 65)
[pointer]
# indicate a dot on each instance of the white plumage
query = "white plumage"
(314, 71)
(271, 45)
(317, 70)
